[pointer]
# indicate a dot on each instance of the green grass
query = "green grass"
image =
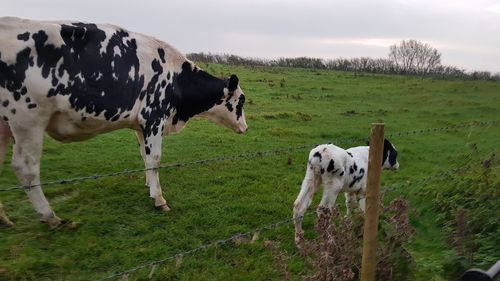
(119, 228)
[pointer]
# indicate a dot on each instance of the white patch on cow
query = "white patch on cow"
(102, 93)
(117, 51)
(131, 73)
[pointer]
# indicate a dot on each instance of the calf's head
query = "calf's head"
(389, 158)
(229, 111)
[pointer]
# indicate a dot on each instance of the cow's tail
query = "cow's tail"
(5, 139)
(314, 171)
(312, 180)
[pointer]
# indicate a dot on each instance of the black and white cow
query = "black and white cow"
(338, 170)
(74, 81)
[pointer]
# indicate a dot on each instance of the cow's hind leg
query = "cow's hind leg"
(26, 164)
(331, 189)
(309, 185)
(5, 139)
(152, 156)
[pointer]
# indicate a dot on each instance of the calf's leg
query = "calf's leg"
(350, 202)
(309, 185)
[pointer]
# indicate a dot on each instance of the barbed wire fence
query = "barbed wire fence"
(248, 155)
(253, 234)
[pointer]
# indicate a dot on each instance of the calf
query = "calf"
(76, 80)
(338, 170)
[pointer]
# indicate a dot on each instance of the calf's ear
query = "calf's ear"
(232, 83)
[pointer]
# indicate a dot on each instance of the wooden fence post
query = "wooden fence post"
(369, 261)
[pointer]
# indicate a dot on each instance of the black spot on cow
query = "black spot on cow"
(239, 106)
(358, 177)
(31, 106)
(24, 36)
(90, 71)
(5, 118)
(229, 106)
(13, 111)
(232, 83)
(5, 103)
(342, 173)
(331, 165)
(161, 52)
(28, 100)
(350, 154)
(389, 153)
(147, 149)
(194, 91)
(322, 171)
(12, 76)
(317, 154)
(351, 170)
(355, 167)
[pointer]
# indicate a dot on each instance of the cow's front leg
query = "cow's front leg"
(152, 157)
(350, 202)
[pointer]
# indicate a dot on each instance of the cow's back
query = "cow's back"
(81, 71)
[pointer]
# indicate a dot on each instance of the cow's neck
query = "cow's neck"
(195, 92)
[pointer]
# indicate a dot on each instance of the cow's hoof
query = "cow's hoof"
(68, 224)
(5, 221)
(299, 240)
(163, 208)
(52, 220)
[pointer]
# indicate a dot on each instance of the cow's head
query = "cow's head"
(229, 111)
(389, 158)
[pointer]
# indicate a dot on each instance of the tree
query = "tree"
(414, 57)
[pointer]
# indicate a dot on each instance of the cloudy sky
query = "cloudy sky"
(466, 32)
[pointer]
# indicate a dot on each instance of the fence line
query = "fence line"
(254, 233)
(247, 155)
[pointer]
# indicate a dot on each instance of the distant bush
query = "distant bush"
(356, 65)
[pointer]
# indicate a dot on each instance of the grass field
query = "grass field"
(119, 229)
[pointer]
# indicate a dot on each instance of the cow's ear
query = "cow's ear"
(232, 83)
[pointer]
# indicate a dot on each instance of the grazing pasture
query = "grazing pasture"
(286, 108)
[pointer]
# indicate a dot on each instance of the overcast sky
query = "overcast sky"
(467, 33)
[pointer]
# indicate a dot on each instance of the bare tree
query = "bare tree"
(414, 57)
